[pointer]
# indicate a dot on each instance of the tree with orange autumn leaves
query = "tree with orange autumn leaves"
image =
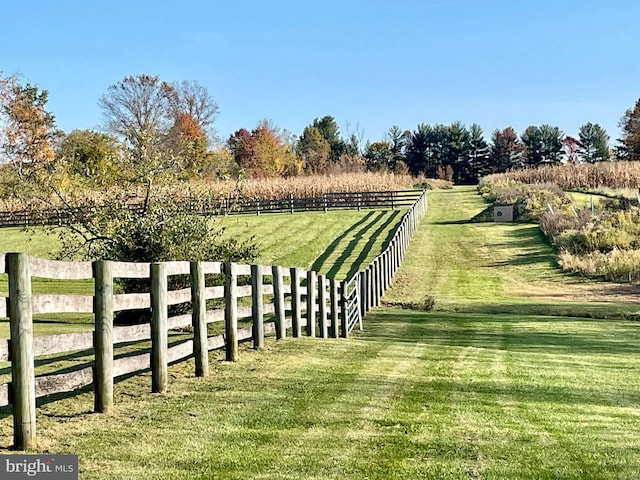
(264, 152)
(28, 129)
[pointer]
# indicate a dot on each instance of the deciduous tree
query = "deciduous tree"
(506, 151)
(165, 126)
(28, 128)
(263, 152)
(379, 156)
(571, 148)
(94, 156)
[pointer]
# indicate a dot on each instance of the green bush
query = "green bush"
(158, 231)
(532, 201)
(602, 233)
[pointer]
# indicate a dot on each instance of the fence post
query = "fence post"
(344, 314)
(231, 311)
(23, 384)
(296, 315)
(311, 303)
(322, 305)
(370, 289)
(257, 306)
(324, 201)
(103, 315)
(383, 273)
(199, 319)
(258, 207)
(360, 299)
(159, 327)
(387, 269)
(334, 300)
(364, 275)
(291, 201)
(378, 280)
(278, 299)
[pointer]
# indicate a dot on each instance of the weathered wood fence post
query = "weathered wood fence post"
(103, 315)
(322, 305)
(344, 314)
(311, 303)
(278, 300)
(231, 311)
(335, 305)
(296, 308)
(364, 291)
(257, 306)
(159, 328)
(199, 319)
(23, 386)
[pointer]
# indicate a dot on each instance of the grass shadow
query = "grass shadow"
(509, 332)
(360, 228)
(364, 251)
(319, 262)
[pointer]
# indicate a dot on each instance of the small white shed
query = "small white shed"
(503, 213)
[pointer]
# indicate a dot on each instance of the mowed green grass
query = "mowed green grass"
(496, 267)
(463, 392)
(336, 243)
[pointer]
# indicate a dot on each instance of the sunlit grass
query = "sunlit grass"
(496, 383)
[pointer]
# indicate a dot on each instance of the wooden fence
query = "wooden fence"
(233, 206)
(297, 301)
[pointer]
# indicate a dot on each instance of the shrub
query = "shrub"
(158, 232)
(531, 201)
(616, 266)
(553, 224)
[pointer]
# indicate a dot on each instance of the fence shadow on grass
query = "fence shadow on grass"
(513, 333)
(364, 251)
(358, 230)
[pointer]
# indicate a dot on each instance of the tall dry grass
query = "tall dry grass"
(203, 191)
(614, 175)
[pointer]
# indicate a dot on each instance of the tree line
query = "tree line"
(152, 128)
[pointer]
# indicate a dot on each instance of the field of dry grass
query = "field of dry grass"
(592, 176)
(258, 188)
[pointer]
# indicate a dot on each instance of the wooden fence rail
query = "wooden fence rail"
(307, 302)
(230, 206)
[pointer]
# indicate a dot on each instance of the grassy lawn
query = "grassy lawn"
(337, 243)
(497, 268)
(496, 383)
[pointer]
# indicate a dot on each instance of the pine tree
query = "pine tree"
(630, 127)
(593, 143)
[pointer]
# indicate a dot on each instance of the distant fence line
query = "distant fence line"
(298, 299)
(231, 206)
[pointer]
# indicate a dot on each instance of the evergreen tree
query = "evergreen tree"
(478, 152)
(418, 150)
(543, 145)
(593, 143)
(314, 149)
(457, 149)
(331, 132)
(399, 141)
(630, 140)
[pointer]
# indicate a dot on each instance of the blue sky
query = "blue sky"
(370, 64)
